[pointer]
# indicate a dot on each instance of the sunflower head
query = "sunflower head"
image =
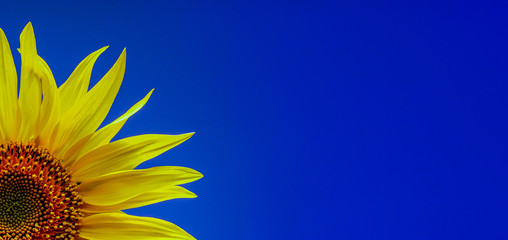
(61, 177)
(37, 195)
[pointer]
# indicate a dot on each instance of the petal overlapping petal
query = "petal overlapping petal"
(77, 84)
(103, 135)
(50, 108)
(113, 226)
(120, 186)
(147, 198)
(124, 154)
(9, 110)
(30, 94)
(89, 111)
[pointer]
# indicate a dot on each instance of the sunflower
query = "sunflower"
(61, 177)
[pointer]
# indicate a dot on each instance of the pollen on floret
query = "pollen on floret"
(38, 199)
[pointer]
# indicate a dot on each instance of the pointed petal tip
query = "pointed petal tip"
(192, 195)
(123, 55)
(192, 174)
(28, 27)
(27, 36)
(98, 52)
(102, 49)
(200, 175)
(185, 136)
(196, 175)
(147, 96)
(150, 93)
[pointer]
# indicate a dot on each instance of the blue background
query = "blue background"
(314, 120)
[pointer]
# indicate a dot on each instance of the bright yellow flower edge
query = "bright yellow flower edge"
(65, 121)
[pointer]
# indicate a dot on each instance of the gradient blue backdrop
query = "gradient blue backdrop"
(314, 120)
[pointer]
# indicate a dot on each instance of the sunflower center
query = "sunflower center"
(38, 199)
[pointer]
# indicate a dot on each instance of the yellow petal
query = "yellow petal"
(103, 135)
(124, 154)
(113, 226)
(151, 197)
(30, 95)
(87, 114)
(120, 186)
(77, 84)
(50, 108)
(9, 112)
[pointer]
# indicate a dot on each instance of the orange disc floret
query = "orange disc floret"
(38, 199)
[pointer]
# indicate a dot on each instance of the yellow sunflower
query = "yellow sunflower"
(60, 176)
